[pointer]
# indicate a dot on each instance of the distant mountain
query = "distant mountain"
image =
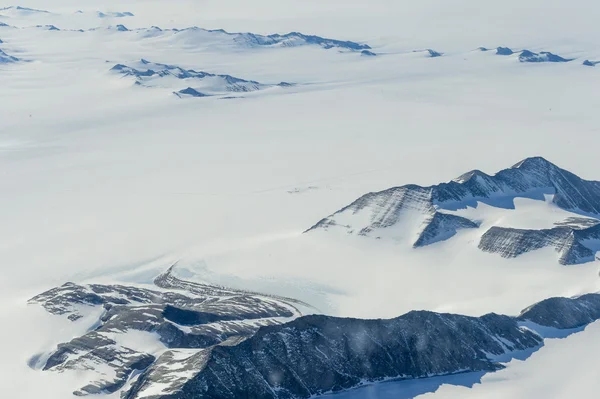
(423, 214)
(48, 27)
(504, 51)
(296, 39)
(590, 63)
(529, 56)
(114, 14)
(200, 84)
(23, 10)
(5, 58)
(544, 56)
(198, 35)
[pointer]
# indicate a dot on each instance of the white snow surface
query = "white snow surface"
(105, 182)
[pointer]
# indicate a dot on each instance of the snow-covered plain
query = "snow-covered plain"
(104, 181)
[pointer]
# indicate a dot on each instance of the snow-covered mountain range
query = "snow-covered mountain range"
(158, 248)
(200, 84)
(426, 215)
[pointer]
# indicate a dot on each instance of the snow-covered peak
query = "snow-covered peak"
(469, 175)
(533, 162)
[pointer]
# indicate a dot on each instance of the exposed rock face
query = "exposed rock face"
(95, 352)
(504, 51)
(433, 53)
(590, 63)
(152, 74)
(192, 316)
(564, 313)
(420, 210)
(574, 243)
(317, 354)
(221, 343)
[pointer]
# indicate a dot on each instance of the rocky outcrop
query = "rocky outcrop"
(504, 51)
(424, 211)
(575, 243)
(221, 343)
(318, 354)
(190, 316)
(564, 313)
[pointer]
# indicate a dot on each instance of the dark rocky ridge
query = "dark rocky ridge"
(564, 313)
(374, 213)
(225, 343)
(574, 243)
(313, 355)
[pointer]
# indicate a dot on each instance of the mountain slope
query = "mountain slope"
(421, 214)
(313, 355)
(204, 84)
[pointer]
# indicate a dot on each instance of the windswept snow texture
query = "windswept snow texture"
(574, 243)
(418, 213)
(201, 84)
(313, 355)
(191, 316)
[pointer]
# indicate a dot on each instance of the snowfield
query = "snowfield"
(107, 181)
